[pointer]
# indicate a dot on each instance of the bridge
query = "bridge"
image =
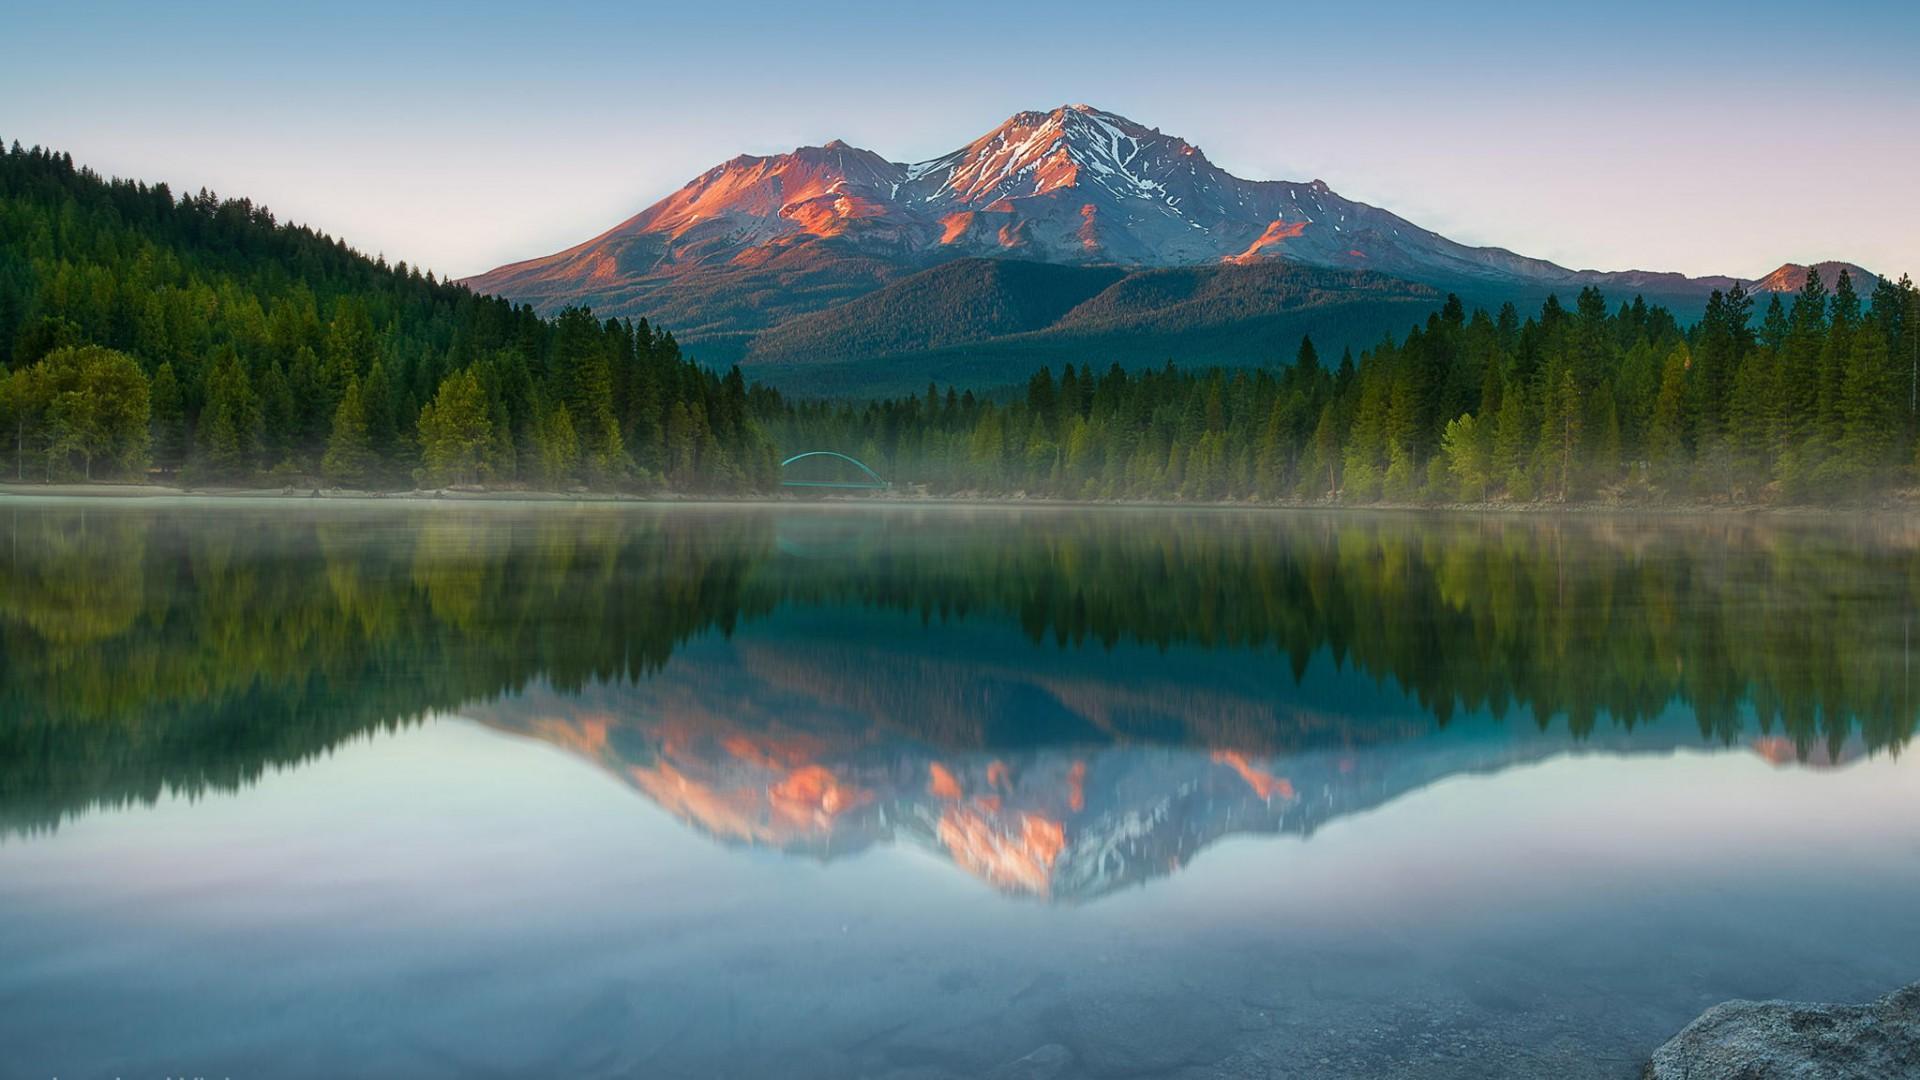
(873, 483)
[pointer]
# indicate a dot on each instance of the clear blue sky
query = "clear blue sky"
(1702, 138)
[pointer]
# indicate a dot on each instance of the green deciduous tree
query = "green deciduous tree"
(89, 408)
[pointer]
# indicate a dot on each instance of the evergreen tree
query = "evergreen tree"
(456, 432)
(1511, 443)
(169, 429)
(1869, 419)
(350, 458)
(278, 415)
(381, 415)
(1468, 455)
(352, 348)
(557, 447)
(1560, 437)
(1666, 435)
(230, 423)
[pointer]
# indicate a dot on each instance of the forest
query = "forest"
(200, 342)
(1810, 398)
(203, 341)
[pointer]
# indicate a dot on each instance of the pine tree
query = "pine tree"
(1606, 443)
(278, 414)
(306, 385)
(230, 422)
(1325, 466)
(382, 417)
(456, 432)
(1666, 434)
(349, 460)
(352, 347)
(1561, 437)
(169, 438)
(558, 447)
(1512, 438)
(683, 444)
(1367, 448)
(1466, 450)
(1749, 416)
(1306, 362)
(1800, 364)
(1270, 455)
(1869, 420)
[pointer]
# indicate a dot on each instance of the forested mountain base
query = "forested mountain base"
(1813, 401)
(204, 342)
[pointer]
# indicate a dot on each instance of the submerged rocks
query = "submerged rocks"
(1131, 1034)
(1762, 1040)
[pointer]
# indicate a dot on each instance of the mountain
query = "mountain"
(1792, 277)
(740, 256)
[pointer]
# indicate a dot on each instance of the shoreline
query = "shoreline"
(1899, 507)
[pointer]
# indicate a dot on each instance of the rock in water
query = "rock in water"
(1764, 1040)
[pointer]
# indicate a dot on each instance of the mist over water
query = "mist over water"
(895, 792)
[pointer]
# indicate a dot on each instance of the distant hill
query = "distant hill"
(745, 258)
(1792, 277)
(987, 322)
(958, 303)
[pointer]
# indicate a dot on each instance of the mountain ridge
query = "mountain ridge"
(759, 240)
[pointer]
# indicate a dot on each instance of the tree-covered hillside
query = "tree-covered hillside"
(203, 337)
(1811, 399)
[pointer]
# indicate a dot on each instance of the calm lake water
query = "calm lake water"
(552, 791)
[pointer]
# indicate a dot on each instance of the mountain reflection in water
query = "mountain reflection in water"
(1061, 703)
(1064, 779)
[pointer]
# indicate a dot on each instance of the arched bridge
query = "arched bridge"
(873, 483)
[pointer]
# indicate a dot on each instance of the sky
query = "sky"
(1672, 136)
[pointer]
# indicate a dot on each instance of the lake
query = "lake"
(550, 790)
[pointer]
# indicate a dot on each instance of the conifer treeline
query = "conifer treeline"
(1810, 399)
(200, 336)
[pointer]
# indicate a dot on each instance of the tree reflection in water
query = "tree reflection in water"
(1059, 701)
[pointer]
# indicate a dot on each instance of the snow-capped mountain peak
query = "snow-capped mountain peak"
(1071, 147)
(1073, 184)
